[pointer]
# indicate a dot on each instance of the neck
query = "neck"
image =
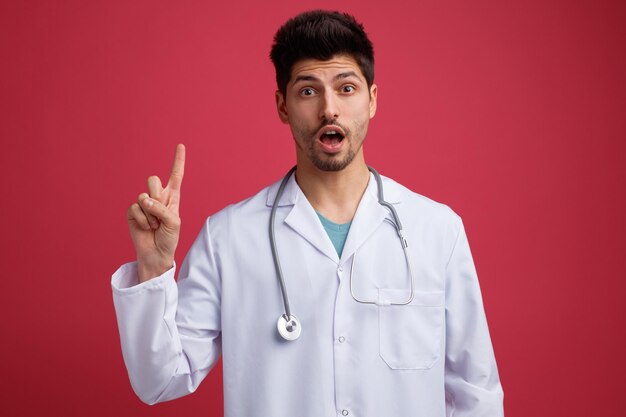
(334, 194)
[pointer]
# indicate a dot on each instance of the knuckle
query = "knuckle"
(135, 213)
(132, 208)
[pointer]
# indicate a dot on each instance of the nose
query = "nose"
(329, 106)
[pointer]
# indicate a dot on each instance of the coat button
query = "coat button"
(340, 269)
(341, 340)
(344, 412)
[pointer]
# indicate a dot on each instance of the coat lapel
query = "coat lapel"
(303, 219)
(368, 217)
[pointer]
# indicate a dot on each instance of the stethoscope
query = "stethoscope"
(288, 325)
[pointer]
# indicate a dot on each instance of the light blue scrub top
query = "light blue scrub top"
(336, 232)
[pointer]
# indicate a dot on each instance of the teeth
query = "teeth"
(331, 132)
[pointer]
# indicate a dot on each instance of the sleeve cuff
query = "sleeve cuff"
(125, 280)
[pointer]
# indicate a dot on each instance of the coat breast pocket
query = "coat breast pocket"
(411, 335)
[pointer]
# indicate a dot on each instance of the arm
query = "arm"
(471, 377)
(170, 334)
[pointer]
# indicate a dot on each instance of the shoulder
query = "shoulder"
(434, 225)
(417, 204)
(245, 211)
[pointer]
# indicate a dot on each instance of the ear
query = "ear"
(281, 107)
(373, 97)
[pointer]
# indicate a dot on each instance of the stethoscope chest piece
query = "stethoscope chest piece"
(290, 328)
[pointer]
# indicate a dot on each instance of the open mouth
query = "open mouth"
(331, 138)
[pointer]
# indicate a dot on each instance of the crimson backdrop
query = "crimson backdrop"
(510, 112)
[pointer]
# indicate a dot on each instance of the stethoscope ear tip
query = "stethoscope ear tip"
(289, 328)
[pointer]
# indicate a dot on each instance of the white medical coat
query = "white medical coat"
(432, 358)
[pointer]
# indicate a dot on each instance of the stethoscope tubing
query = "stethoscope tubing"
(288, 325)
(279, 270)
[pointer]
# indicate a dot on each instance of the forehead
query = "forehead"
(325, 69)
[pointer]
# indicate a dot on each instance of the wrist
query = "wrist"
(147, 271)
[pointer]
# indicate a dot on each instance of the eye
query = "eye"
(306, 92)
(348, 89)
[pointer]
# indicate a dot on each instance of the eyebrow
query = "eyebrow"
(339, 76)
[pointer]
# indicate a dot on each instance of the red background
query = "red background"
(513, 113)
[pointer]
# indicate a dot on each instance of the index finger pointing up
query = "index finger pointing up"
(178, 169)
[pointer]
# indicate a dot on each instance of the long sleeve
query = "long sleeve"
(471, 377)
(170, 334)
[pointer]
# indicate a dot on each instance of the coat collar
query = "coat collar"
(303, 219)
(392, 191)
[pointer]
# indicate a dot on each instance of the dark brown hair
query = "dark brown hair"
(320, 34)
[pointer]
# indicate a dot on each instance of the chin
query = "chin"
(332, 164)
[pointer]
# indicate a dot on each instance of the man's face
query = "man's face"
(328, 106)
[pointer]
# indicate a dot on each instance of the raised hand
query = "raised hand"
(154, 221)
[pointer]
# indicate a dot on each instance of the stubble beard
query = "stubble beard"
(330, 163)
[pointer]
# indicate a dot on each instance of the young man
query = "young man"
(374, 319)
